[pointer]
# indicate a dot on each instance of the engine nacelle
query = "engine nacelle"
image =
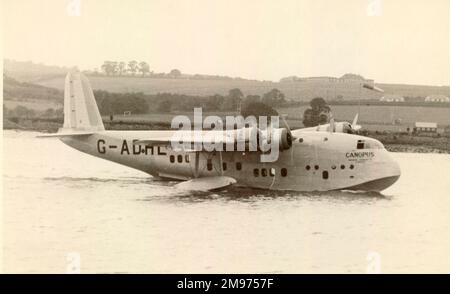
(282, 135)
(285, 139)
(254, 137)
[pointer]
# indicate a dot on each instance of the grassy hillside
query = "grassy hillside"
(27, 71)
(15, 90)
(161, 85)
(293, 90)
(53, 76)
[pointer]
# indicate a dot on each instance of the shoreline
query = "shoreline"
(393, 142)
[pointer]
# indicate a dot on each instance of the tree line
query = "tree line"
(122, 68)
(140, 103)
(133, 68)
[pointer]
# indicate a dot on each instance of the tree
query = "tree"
(252, 99)
(235, 97)
(50, 112)
(132, 67)
(215, 102)
(175, 73)
(317, 103)
(144, 67)
(165, 106)
(122, 67)
(20, 111)
(59, 113)
(258, 109)
(109, 67)
(114, 67)
(319, 113)
(274, 98)
(5, 111)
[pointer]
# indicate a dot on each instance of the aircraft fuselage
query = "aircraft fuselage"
(317, 161)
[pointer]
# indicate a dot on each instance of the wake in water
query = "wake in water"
(154, 189)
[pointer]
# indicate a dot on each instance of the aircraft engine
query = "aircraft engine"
(284, 137)
(254, 136)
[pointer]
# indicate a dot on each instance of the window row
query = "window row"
(209, 166)
(271, 172)
(316, 167)
(179, 158)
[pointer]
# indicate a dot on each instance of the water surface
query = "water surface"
(58, 202)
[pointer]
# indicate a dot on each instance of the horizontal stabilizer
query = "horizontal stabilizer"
(61, 135)
(206, 183)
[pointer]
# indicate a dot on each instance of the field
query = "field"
(381, 115)
(179, 86)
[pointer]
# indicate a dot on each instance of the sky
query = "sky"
(392, 41)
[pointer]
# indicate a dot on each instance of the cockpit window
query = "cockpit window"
(360, 144)
(368, 144)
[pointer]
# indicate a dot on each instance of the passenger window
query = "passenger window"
(360, 144)
(224, 165)
(342, 166)
(308, 167)
(325, 175)
(316, 167)
(256, 172)
(238, 166)
(264, 172)
(209, 164)
(272, 172)
(352, 166)
(186, 158)
(172, 158)
(283, 172)
(180, 158)
(333, 167)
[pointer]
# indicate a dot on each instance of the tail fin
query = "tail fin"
(80, 109)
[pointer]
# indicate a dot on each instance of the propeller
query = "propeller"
(332, 128)
(354, 124)
(286, 125)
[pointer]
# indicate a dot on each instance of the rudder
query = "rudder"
(80, 109)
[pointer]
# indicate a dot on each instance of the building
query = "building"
(392, 98)
(437, 98)
(346, 87)
(425, 127)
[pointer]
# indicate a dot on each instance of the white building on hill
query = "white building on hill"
(437, 98)
(392, 98)
(427, 127)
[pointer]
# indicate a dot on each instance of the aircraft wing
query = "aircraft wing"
(211, 137)
(206, 183)
(68, 134)
(310, 129)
